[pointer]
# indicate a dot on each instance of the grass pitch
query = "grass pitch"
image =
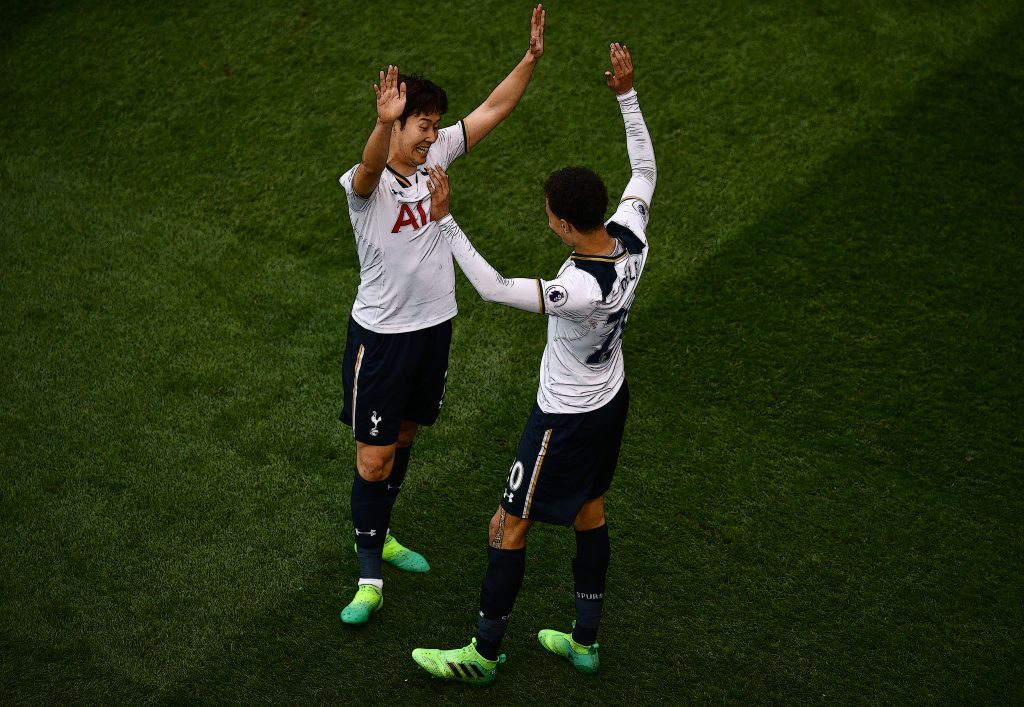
(820, 492)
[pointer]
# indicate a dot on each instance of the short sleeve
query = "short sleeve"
(355, 202)
(450, 144)
(573, 295)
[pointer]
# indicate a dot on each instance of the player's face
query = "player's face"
(559, 226)
(417, 136)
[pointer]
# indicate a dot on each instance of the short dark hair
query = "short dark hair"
(577, 195)
(422, 96)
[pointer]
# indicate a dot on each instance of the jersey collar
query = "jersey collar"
(401, 179)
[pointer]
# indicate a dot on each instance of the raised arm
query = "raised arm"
(644, 173)
(520, 292)
(506, 95)
(390, 104)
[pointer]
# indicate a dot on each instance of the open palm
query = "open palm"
(390, 96)
(620, 79)
(537, 31)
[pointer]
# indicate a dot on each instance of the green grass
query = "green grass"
(820, 492)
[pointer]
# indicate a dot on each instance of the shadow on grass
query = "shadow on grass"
(20, 16)
(834, 435)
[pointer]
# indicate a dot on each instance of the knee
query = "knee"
(406, 434)
(373, 472)
(375, 466)
(492, 527)
(507, 532)
(589, 523)
(590, 516)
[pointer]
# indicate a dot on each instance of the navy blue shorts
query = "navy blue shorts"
(393, 377)
(563, 461)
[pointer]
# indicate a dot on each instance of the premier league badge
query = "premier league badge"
(556, 295)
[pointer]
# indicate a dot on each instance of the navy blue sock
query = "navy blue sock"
(398, 469)
(505, 570)
(371, 511)
(589, 570)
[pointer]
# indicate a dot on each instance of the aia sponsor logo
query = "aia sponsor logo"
(407, 217)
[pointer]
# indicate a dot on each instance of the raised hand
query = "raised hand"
(390, 96)
(620, 79)
(537, 32)
(440, 194)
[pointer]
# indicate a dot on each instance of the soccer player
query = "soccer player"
(568, 452)
(399, 333)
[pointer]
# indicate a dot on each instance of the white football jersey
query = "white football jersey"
(588, 303)
(406, 275)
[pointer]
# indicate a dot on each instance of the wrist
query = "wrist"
(626, 95)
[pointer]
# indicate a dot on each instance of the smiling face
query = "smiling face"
(411, 142)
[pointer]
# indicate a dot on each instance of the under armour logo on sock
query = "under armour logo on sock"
(371, 533)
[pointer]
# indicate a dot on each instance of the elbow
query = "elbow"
(497, 110)
(649, 173)
(490, 296)
(646, 171)
(494, 292)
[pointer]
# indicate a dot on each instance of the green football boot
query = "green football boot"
(461, 664)
(401, 557)
(583, 658)
(368, 599)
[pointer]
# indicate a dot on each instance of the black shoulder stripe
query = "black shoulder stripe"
(602, 271)
(465, 137)
(629, 239)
